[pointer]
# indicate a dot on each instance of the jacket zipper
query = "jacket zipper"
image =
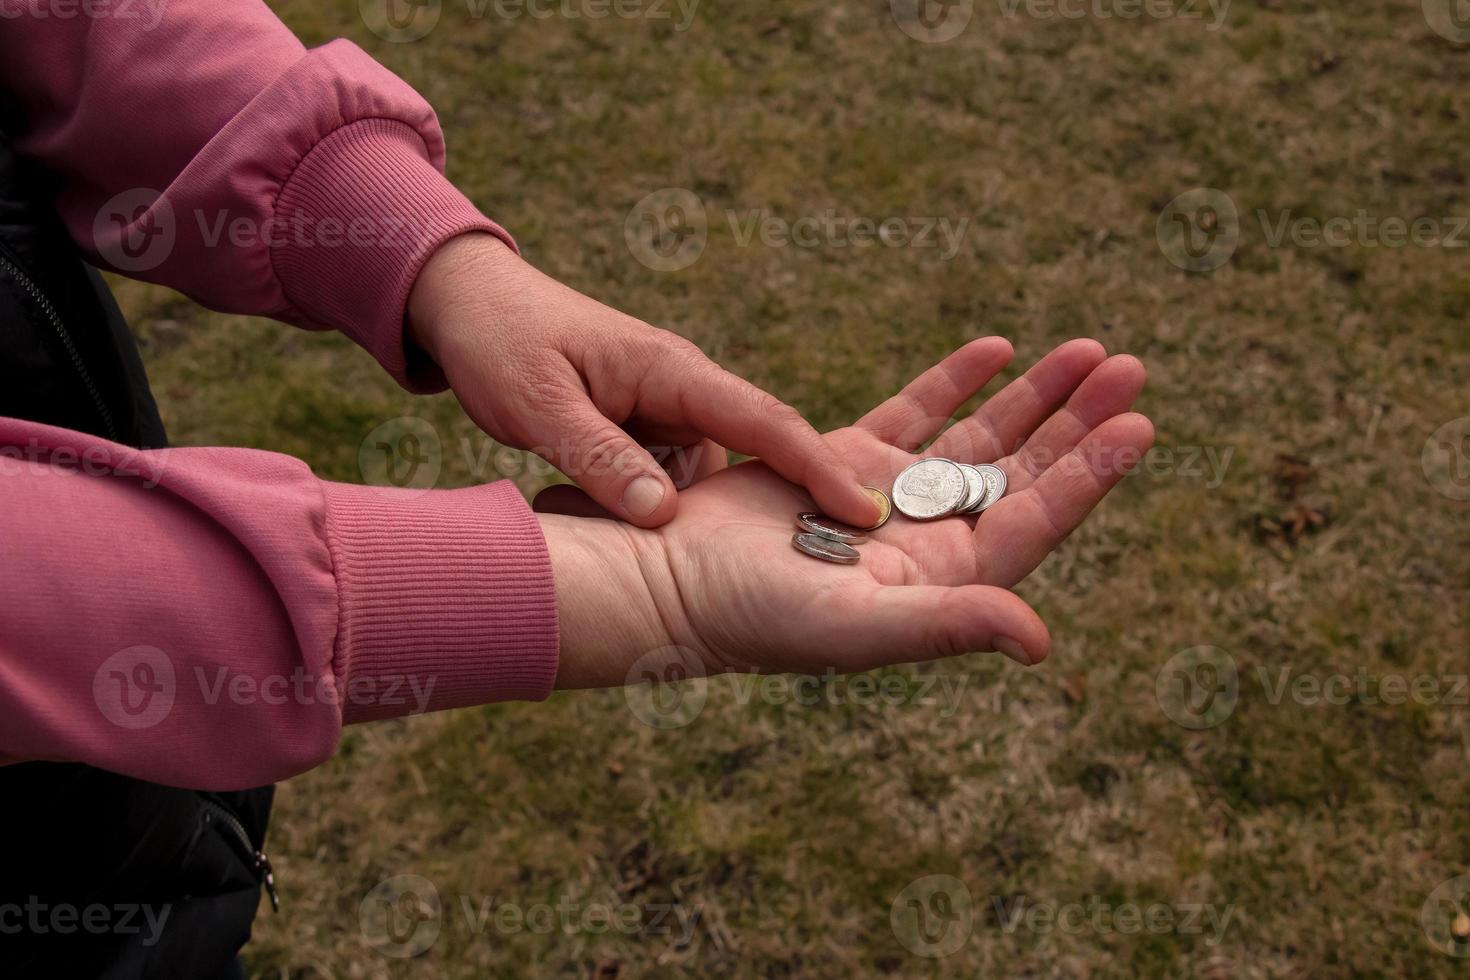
(36, 294)
(262, 863)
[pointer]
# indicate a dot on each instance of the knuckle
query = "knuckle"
(607, 453)
(773, 408)
(686, 356)
(788, 423)
(677, 345)
(630, 341)
(540, 388)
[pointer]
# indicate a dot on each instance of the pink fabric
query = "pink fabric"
(273, 180)
(211, 617)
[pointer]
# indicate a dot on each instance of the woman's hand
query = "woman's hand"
(722, 584)
(539, 366)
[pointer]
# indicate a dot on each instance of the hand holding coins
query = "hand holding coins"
(922, 587)
(927, 490)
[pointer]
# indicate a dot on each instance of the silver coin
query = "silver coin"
(828, 528)
(995, 486)
(929, 489)
(974, 488)
(987, 483)
(825, 548)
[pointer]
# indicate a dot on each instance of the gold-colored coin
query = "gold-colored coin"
(885, 507)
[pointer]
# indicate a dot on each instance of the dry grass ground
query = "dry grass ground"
(1306, 538)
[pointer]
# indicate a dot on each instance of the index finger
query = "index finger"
(737, 414)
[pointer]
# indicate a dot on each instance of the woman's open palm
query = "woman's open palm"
(741, 597)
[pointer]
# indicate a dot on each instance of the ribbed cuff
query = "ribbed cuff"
(447, 599)
(356, 220)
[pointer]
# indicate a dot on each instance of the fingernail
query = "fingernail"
(1011, 648)
(643, 496)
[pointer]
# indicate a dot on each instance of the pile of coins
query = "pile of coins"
(933, 488)
(928, 490)
(821, 537)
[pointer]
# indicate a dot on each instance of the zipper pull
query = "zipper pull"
(268, 877)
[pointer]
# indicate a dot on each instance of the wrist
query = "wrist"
(460, 267)
(613, 590)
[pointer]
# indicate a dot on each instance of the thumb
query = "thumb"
(893, 624)
(605, 461)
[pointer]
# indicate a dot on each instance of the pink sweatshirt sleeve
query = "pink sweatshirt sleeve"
(196, 143)
(210, 618)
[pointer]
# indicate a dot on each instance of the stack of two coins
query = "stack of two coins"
(821, 537)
